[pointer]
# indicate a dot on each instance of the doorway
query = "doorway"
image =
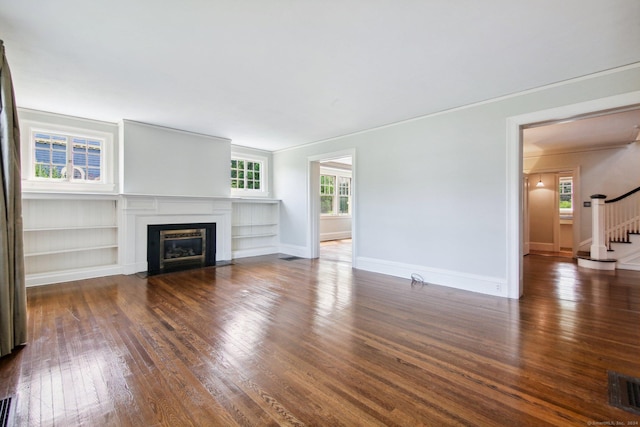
(515, 170)
(332, 206)
(551, 223)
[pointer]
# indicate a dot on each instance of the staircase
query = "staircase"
(616, 233)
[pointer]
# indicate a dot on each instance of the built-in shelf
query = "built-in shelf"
(255, 225)
(88, 227)
(69, 234)
(251, 236)
(66, 251)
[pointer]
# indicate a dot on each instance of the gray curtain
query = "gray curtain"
(13, 294)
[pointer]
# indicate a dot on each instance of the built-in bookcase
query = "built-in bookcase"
(66, 235)
(254, 227)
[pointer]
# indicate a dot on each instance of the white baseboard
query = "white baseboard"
(626, 266)
(630, 262)
(50, 278)
(537, 246)
(293, 250)
(495, 286)
(336, 235)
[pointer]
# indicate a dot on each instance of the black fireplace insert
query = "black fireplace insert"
(174, 247)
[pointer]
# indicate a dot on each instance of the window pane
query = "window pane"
(43, 171)
(245, 175)
(43, 156)
(55, 158)
(59, 157)
(566, 193)
(344, 205)
(78, 173)
(93, 174)
(93, 160)
(326, 204)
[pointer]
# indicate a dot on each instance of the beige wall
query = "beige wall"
(542, 206)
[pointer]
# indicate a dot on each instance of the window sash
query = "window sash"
(55, 154)
(565, 195)
(247, 174)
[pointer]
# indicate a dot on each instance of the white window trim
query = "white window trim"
(31, 183)
(567, 211)
(264, 174)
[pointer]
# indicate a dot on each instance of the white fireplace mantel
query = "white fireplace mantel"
(139, 211)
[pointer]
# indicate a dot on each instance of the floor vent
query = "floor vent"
(5, 412)
(624, 392)
(290, 258)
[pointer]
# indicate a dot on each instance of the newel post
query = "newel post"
(598, 243)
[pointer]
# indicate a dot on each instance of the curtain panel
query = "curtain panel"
(13, 295)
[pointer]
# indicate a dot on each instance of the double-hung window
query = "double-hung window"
(335, 195)
(565, 192)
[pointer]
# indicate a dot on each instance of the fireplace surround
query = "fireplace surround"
(174, 247)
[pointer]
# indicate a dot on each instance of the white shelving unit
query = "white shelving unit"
(69, 236)
(255, 225)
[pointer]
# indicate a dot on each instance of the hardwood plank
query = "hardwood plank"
(268, 342)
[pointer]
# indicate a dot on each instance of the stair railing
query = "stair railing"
(613, 220)
(622, 217)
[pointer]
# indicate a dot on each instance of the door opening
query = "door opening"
(332, 207)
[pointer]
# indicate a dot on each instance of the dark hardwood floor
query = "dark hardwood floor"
(312, 342)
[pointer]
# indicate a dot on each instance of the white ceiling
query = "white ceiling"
(277, 73)
(592, 133)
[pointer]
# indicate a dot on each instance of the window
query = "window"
(566, 195)
(247, 175)
(344, 195)
(64, 158)
(67, 157)
(335, 195)
(327, 194)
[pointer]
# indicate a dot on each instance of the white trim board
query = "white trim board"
(514, 173)
(453, 279)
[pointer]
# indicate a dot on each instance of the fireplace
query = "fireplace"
(173, 247)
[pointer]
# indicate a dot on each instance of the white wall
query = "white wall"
(335, 227)
(166, 162)
(431, 192)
